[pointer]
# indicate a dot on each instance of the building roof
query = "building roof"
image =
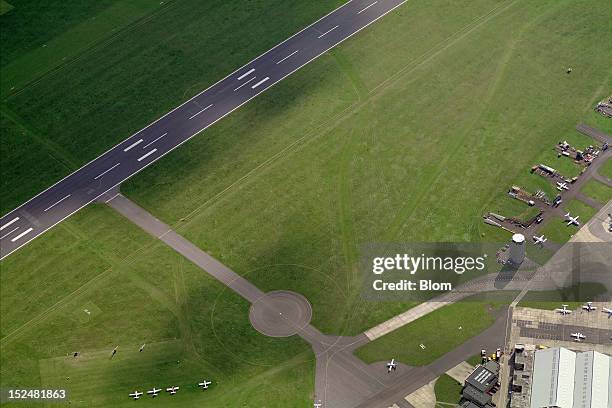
(591, 380)
(482, 378)
(492, 366)
(472, 394)
(553, 378)
(563, 378)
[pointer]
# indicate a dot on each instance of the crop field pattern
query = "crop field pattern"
(407, 132)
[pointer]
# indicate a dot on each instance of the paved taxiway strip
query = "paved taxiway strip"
(328, 31)
(100, 175)
(288, 56)
(151, 142)
(21, 235)
(106, 171)
(200, 111)
(333, 354)
(11, 222)
(136, 143)
(252, 79)
(250, 71)
(266, 79)
(9, 233)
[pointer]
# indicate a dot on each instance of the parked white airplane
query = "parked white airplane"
(391, 365)
(562, 186)
(172, 390)
(564, 310)
(317, 404)
(589, 307)
(154, 392)
(608, 311)
(204, 384)
(539, 240)
(578, 336)
(572, 220)
(136, 394)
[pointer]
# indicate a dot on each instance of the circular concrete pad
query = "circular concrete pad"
(280, 314)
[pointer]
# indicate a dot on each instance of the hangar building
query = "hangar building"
(564, 379)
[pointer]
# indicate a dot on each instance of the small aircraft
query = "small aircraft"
(589, 307)
(564, 310)
(391, 365)
(172, 390)
(608, 311)
(136, 394)
(572, 220)
(539, 240)
(578, 336)
(204, 384)
(317, 404)
(562, 186)
(154, 392)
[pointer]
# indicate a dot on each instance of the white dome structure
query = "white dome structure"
(517, 249)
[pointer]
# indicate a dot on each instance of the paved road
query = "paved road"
(417, 377)
(342, 380)
(351, 379)
(80, 188)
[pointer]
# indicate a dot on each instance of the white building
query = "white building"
(564, 379)
(517, 249)
(592, 380)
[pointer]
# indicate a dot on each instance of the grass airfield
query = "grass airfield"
(141, 292)
(598, 191)
(459, 322)
(116, 67)
(409, 131)
(404, 133)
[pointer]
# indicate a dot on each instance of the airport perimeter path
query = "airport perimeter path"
(341, 379)
(143, 148)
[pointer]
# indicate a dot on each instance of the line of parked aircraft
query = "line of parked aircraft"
(154, 392)
(588, 306)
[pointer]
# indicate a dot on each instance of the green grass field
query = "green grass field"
(574, 296)
(606, 169)
(39, 37)
(448, 390)
(459, 322)
(474, 360)
(407, 132)
(389, 137)
(131, 76)
(597, 191)
(5, 7)
(136, 291)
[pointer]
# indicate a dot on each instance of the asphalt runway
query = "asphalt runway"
(143, 148)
